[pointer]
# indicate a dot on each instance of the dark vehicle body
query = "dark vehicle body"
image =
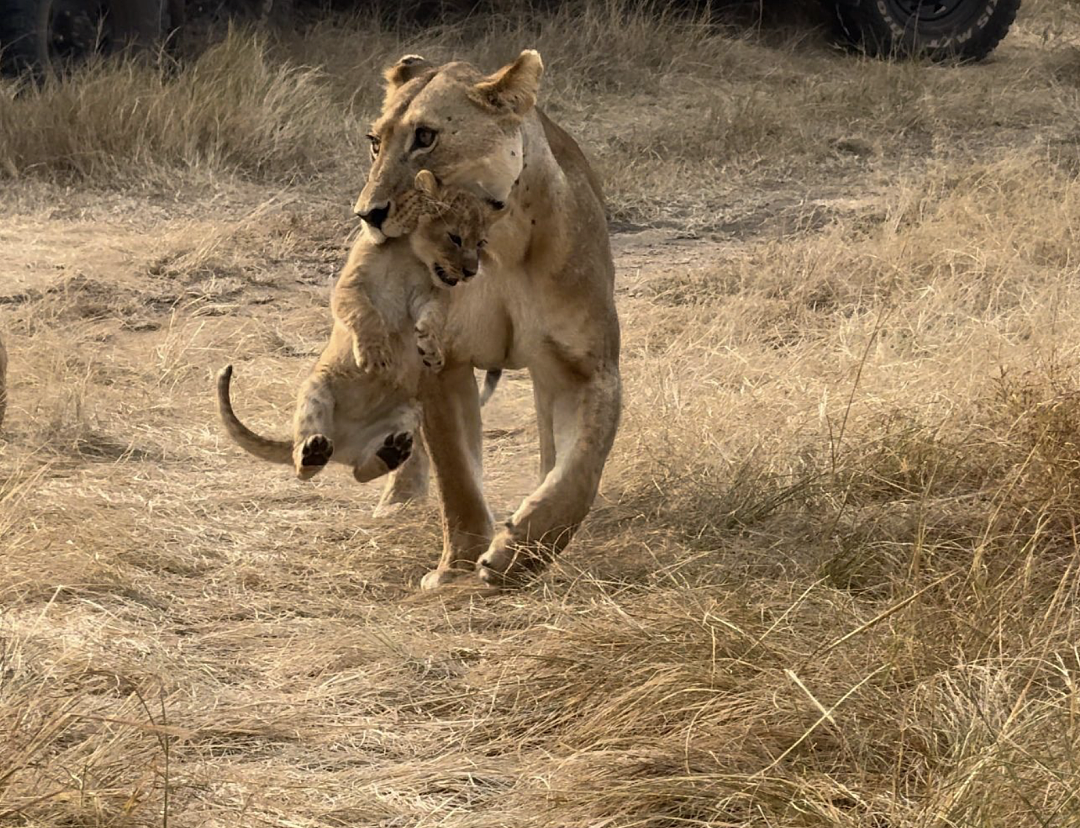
(40, 36)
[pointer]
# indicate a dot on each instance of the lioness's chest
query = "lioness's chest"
(494, 322)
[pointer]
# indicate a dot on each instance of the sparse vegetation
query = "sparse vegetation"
(833, 577)
(232, 110)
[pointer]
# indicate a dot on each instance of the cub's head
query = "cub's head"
(463, 126)
(451, 231)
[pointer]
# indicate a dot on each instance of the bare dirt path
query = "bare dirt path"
(300, 672)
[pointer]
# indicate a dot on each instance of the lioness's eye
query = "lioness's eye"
(425, 137)
(375, 144)
(480, 244)
(455, 239)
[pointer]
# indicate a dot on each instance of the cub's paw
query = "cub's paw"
(395, 449)
(373, 354)
(430, 349)
(315, 452)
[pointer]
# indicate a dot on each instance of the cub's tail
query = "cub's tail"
(276, 451)
(491, 382)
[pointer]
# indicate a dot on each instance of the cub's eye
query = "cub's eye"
(375, 144)
(424, 138)
(455, 239)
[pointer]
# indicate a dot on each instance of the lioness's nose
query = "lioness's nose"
(376, 215)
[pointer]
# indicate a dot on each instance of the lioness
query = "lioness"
(548, 307)
(358, 406)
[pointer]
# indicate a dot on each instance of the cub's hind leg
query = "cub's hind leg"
(313, 426)
(394, 451)
(408, 483)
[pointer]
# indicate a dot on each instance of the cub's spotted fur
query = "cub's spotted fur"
(358, 406)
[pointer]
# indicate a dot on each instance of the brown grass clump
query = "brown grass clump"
(832, 579)
(233, 109)
(621, 75)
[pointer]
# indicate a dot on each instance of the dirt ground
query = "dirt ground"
(830, 580)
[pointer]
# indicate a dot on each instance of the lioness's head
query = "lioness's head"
(451, 231)
(463, 126)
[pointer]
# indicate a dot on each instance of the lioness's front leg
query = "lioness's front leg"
(452, 431)
(585, 416)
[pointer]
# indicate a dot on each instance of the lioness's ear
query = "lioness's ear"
(513, 88)
(427, 183)
(407, 68)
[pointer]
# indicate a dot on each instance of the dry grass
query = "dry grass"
(233, 110)
(832, 579)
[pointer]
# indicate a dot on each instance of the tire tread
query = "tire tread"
(864, 26)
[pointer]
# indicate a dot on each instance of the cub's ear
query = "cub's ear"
(427, 183)
(513, 88)
(407, 68)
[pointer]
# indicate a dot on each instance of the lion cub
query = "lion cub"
(359, 404)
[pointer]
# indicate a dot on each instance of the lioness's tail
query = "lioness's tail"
(491, 382)
(276, 451)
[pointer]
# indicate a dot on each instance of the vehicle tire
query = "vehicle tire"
(42, 36)
(938, 29)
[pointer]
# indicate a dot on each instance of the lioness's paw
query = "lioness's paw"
(314, 454)
(441, 577)
(508, 563)
(395, 449)
(430, 349)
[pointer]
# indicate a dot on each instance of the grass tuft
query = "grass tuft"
(233, 110)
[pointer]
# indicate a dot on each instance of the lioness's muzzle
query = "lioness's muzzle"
(375, 215)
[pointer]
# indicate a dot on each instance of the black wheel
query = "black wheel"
(938, 29)
(41, 36)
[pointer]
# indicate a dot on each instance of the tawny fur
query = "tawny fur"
(549, 306)
(359, 405)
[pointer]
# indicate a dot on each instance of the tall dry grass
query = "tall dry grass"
(621, 74)
(234, 109)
